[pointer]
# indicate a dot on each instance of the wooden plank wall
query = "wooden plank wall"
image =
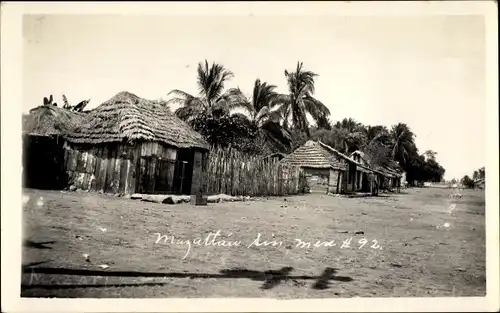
(150, 161)
(116, 168)
(103, 168)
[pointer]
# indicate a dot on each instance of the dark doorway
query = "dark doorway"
(365, 183)
(43, 163)
(164, 176)
(183, 173)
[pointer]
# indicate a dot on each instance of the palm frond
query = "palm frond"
(180, 94)
(316, 108)
(276, 132)
(187, 113)
(66, 103)
(211, 80)
(235, 99)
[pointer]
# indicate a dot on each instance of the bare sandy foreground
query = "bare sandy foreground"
(418, 243)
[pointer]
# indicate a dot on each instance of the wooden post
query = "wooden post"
(197, 197)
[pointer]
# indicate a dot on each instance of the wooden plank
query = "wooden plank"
(82, 159)
(127, 186)
(152, 173)
(76, 159)
(101, 178)
(134, 157)
(116, 169)
(97, 166)
(124, 165)
(142, 174)
(154, 149)
(110, 169)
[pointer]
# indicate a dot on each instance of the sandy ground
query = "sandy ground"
(413, 244)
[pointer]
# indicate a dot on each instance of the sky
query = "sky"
(427, 72)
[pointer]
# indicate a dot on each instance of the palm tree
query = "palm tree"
(300, 100)
(403, 143)
(261, 111)
(349, 124)
(430, 155)
(211, 98)
(77, 108)
(377, 133)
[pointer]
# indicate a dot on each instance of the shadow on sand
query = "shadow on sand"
(269, 279)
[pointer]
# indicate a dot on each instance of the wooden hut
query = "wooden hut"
(133, 145)
(359, 176)
(326, 169)
(43, 154)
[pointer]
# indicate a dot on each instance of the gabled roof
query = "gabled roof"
(314, 154)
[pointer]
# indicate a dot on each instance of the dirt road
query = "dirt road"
(411, 244)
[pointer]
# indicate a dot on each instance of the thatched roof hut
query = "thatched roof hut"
(129, 117)
(47, 120)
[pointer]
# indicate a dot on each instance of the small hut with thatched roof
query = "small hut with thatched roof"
(43, 155)
(326, 169)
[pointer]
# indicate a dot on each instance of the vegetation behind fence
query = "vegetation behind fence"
(231, 172)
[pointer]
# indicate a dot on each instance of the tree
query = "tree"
(350, 125)
(430, 155)
(467, 182)
(49, 101)
(224, 131)
(77, 108)
(379, 153)
(211, 100)
(261, 112)
(351, 135)
(482, 174)
(300, 101)
(403, 143)
(475, 175)
(377, 133)
(323, 123)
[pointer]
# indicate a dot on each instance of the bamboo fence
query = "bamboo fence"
(228, 171)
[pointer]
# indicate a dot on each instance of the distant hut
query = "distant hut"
(326, 169)
(387, 177)
(479, 183)
(359, 176)
(43, 155)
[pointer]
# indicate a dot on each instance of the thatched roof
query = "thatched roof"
(47, 120)
(129, 117)
(314, 154)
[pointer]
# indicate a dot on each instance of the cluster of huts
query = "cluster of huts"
(126, 145)
(330, 171)
(131, 145)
